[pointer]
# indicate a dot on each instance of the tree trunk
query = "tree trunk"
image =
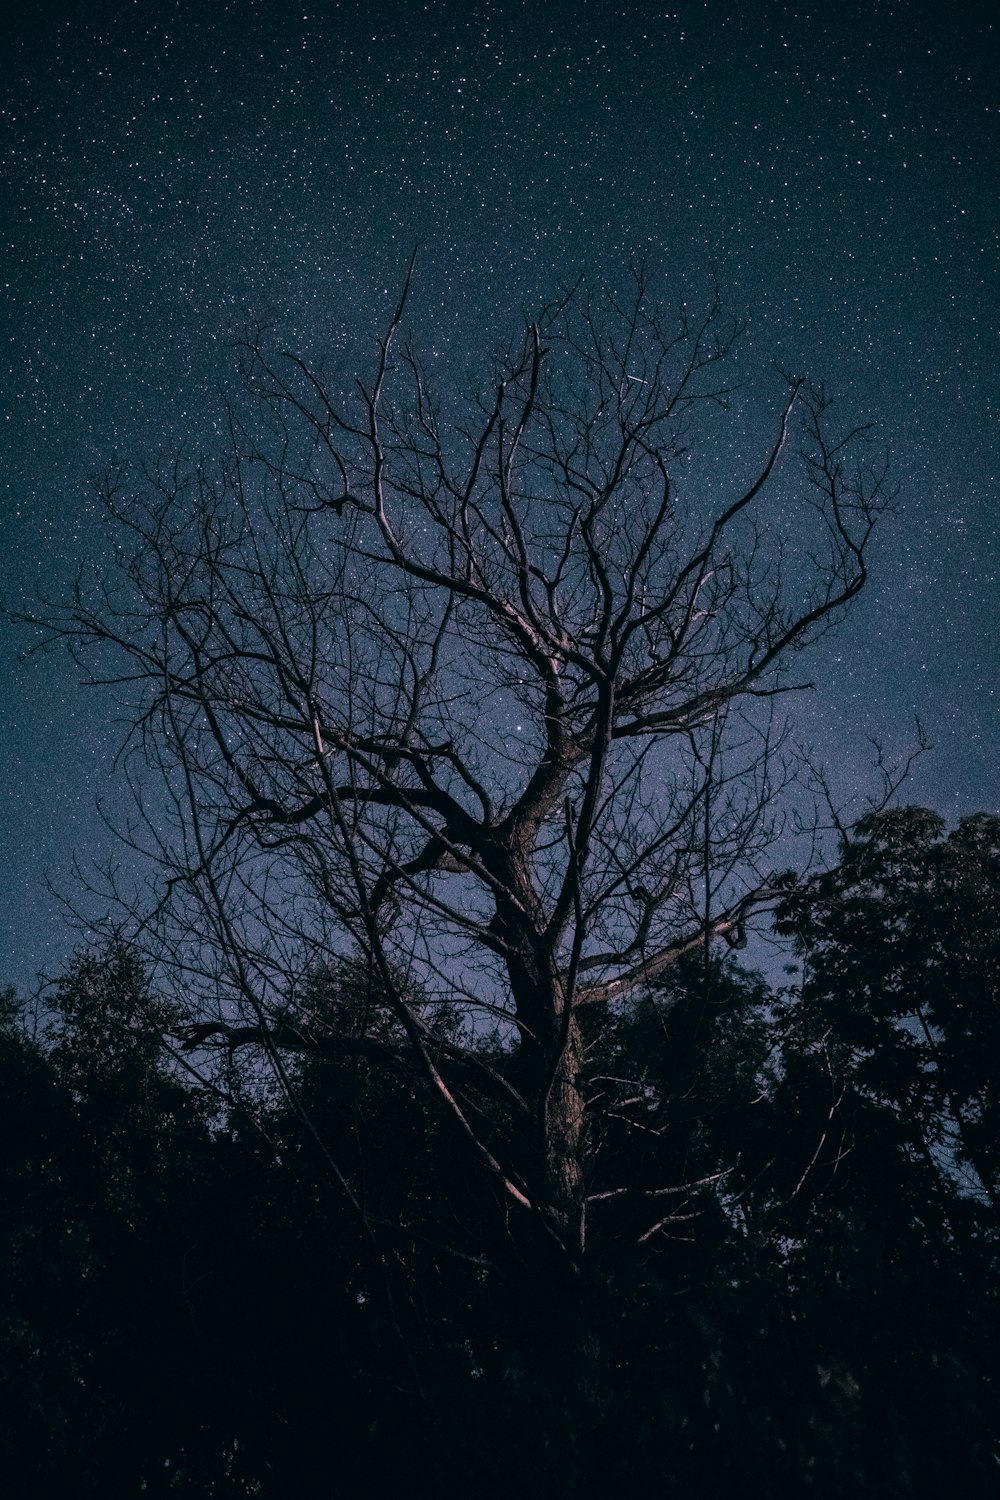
(563, 1125)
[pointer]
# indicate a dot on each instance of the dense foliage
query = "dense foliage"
(792, 1231)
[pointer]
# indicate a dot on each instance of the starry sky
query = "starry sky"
(167, 167)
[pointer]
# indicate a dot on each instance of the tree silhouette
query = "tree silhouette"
(901, 947)
(480, 697)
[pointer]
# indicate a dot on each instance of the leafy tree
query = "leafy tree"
(901, 945)
(103, 1201)
(884, 1196)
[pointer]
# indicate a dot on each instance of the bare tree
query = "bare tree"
(480, 695)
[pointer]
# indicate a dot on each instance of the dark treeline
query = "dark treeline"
(234, 1288)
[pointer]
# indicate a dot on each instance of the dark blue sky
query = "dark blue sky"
(836, 168)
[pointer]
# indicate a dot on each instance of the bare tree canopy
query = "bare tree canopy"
(481, 697)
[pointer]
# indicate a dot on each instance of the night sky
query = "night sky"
(167, 167)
